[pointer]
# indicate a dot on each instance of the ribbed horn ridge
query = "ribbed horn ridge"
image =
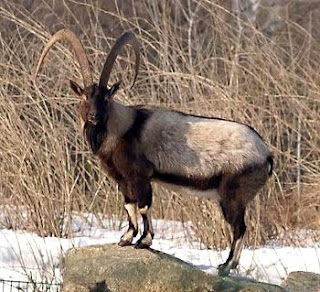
(67, 35)
(127, 38)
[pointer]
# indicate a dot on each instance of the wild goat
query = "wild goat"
(138, 145)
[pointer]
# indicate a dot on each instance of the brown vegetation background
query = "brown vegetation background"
(256, 65)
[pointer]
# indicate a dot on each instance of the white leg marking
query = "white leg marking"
(143, 210)
(132, 212)
(238, 249)
(225, 268)
(147, 240)
(147, 211)
(150, 221)
(128, 236)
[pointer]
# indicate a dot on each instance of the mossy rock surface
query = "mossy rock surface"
(302, 282)
(119, 269)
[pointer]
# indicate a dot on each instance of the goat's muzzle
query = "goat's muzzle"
(93, 119)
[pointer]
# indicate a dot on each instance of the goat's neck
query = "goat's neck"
(120, 119)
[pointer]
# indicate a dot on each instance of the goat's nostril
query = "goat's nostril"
(93, 117)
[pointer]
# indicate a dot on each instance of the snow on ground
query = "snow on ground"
(25, 256)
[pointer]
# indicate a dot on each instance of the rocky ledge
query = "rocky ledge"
(110, 268)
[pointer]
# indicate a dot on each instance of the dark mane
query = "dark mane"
(95, 135)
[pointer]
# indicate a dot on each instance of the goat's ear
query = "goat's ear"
(114, 88)
(78, 90)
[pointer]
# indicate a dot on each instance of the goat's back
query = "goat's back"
(190, 145)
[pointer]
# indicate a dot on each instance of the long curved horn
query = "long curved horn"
(126, 38)
(67, 35)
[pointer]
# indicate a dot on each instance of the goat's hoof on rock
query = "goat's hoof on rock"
(224, 269)
(124, 243)
(140, 245)
(143, 242)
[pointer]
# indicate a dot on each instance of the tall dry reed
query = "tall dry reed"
(194, 59)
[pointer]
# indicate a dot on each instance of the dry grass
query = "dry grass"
(193, 59)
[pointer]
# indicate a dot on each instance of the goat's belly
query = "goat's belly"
(212, 193)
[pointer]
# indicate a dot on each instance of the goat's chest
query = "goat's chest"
(124, 161)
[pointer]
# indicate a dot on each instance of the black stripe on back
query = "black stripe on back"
(202, 184)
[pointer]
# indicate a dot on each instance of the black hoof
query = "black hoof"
(223, 271)
(141, 245)
(124, 243)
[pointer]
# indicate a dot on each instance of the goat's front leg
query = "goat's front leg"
(131, 208)
(145, 240)
(140, 189)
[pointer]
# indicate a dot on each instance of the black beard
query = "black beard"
(95, 135)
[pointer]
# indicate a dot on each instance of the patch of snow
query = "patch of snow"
(25, 256)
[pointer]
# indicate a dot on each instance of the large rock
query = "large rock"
(119, 269)
(302, 281)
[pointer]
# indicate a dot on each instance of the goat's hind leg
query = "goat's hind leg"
(131, 208)
(234, 215)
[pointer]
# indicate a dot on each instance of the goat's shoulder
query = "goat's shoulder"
(125, 160)
(123, 157)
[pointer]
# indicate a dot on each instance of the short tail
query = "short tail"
(270, 164)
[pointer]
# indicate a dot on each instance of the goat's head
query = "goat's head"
(94, 98)
(94, 101)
